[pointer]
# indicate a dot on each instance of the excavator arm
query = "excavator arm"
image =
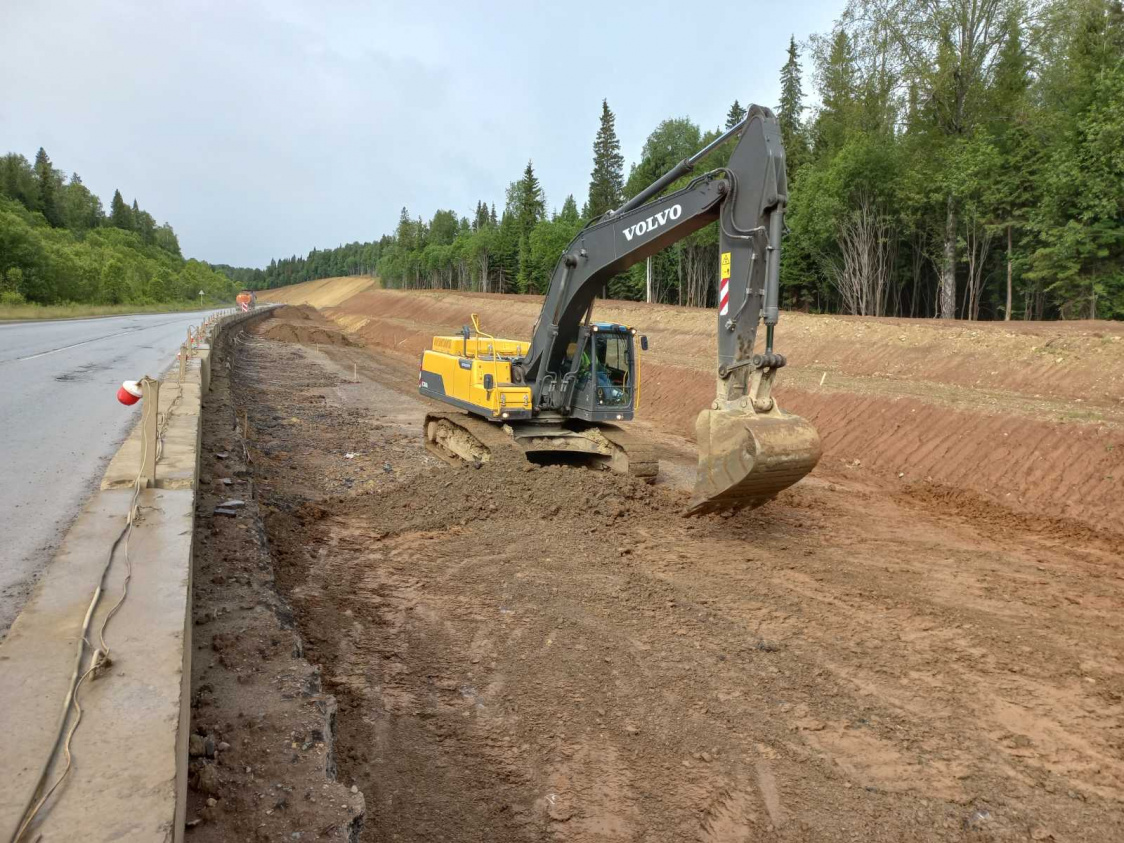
(748, 449)
(747, 197)
(601, 251)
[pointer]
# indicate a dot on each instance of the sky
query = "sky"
(265, 128)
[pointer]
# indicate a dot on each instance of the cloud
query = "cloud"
(263, 129)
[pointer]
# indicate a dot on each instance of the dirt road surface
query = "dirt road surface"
(549, 653)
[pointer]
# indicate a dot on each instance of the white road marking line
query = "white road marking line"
(87, 342)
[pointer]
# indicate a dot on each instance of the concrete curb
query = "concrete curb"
(129, 773)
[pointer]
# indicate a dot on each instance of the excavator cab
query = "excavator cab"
(600, 373)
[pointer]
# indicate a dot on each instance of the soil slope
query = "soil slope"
(323, 292)
(1027, 415)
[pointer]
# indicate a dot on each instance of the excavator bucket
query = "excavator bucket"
(746, 458)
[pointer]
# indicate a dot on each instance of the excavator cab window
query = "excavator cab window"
(612, 365)
(599, 366)
(584, 364)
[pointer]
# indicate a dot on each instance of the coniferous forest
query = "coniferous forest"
(958, 158)
(59, 246)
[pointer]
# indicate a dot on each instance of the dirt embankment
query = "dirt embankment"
(299, 324)
(1030, 416)
(551, 654)
(323, 292)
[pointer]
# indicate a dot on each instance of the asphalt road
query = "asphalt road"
(60, 423)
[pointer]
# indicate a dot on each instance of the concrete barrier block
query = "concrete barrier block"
(133, 731)
(178, 459)
(204, 353)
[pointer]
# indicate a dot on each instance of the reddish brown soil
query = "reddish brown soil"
(1029, 415)
(299, 325)
(526, 653)
(1081, 359)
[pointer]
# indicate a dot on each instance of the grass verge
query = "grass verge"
(17, 312)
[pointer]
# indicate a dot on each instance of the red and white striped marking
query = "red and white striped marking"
(245, 305)
(724, 297)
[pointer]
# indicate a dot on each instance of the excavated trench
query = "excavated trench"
(523, 652)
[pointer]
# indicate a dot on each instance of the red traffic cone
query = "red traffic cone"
(129, 393)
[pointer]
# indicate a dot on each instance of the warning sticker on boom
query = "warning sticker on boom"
(724, 286)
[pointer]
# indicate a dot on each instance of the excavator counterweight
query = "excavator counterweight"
(568, 389)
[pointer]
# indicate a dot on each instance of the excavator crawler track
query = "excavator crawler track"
(463, 438)
(641, 457)
(460, 438)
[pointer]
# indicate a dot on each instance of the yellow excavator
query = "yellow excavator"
(564, 392)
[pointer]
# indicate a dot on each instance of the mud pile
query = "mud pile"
(518, 491)
(309, 335)
(300, 325)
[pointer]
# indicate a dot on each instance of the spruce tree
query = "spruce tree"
(569, 210)
(120, 215)
(735, 115)
(47, 181)
(790, 109)
(405, 230)
(606, 181)
(530, 201)
(480, 219)
(838, 94)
